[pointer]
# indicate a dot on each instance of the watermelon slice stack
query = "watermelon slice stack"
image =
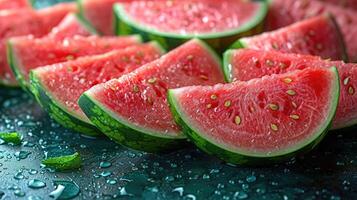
(24, 22)
(285, 12)
(276, 95)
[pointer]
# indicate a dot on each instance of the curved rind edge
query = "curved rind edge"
(57, 113)
(122, 134)
(236, 158)
(83, 18)
(169, 41)
(227, 66)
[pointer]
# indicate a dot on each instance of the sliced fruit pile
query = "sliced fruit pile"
(276, 95)
(285, 12)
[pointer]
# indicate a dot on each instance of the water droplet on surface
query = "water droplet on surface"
(19, 193)
(251, 178)
(180, 190)
(111, 181)
(35, 184)
(65, 189)
(105, 164)
(240, 195)
(106, 173)
(34, 198)
(20, 155)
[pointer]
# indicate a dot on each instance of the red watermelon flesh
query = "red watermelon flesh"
(140, 97)
(349, 4)
(69, 27)
(25, 22)
(14, 4)
(316, 36)
(100, 14)
(245, 64)
(285, 12)
(65, 82)
(26, 51)
(259, 118)
(192, 17)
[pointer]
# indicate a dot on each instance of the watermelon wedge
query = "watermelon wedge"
(59, 86)
(260, 120)
(318, 36)
(99, 14)
(133, 110)
(14, 4)
(173, 22)
(23, 52)
(246, 64)
(70, 26)
(37, 23)
(285, 12)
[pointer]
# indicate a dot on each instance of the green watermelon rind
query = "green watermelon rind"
(227, 67)
(83, 17)
(229, 156)
(85, 24)
(123, 133)
(124, 25)
(58, 113)
(242, 43)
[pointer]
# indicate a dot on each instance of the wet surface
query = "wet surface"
(110, 171)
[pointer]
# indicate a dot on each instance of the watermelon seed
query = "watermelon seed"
(319, 46)
(346, 80)
(269, 63)
(273, 106)
(209, 106)
(312, 33)
(204, 77)
(287, 80)
(152, 80)
(190, 57)
(70, 57)
(213, 96)
(136, 89)
(125, 59)
(294, 104)
(227, 103)
(237, 120)
(275, 46)
(274, 127)
(291, 92)
(282, 65)
(296, 117)
(351, 90)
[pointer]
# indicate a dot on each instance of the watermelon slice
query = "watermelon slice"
(172, 22)
(14, 4)
(24, 22)
(285, 12)
(316, 36)
(25, 51)
(59, 86)
(99, 14)
(70, 26)
(245, 64)
(261, 120)
(133, 109)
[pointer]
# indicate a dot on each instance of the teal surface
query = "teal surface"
(110, 171)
